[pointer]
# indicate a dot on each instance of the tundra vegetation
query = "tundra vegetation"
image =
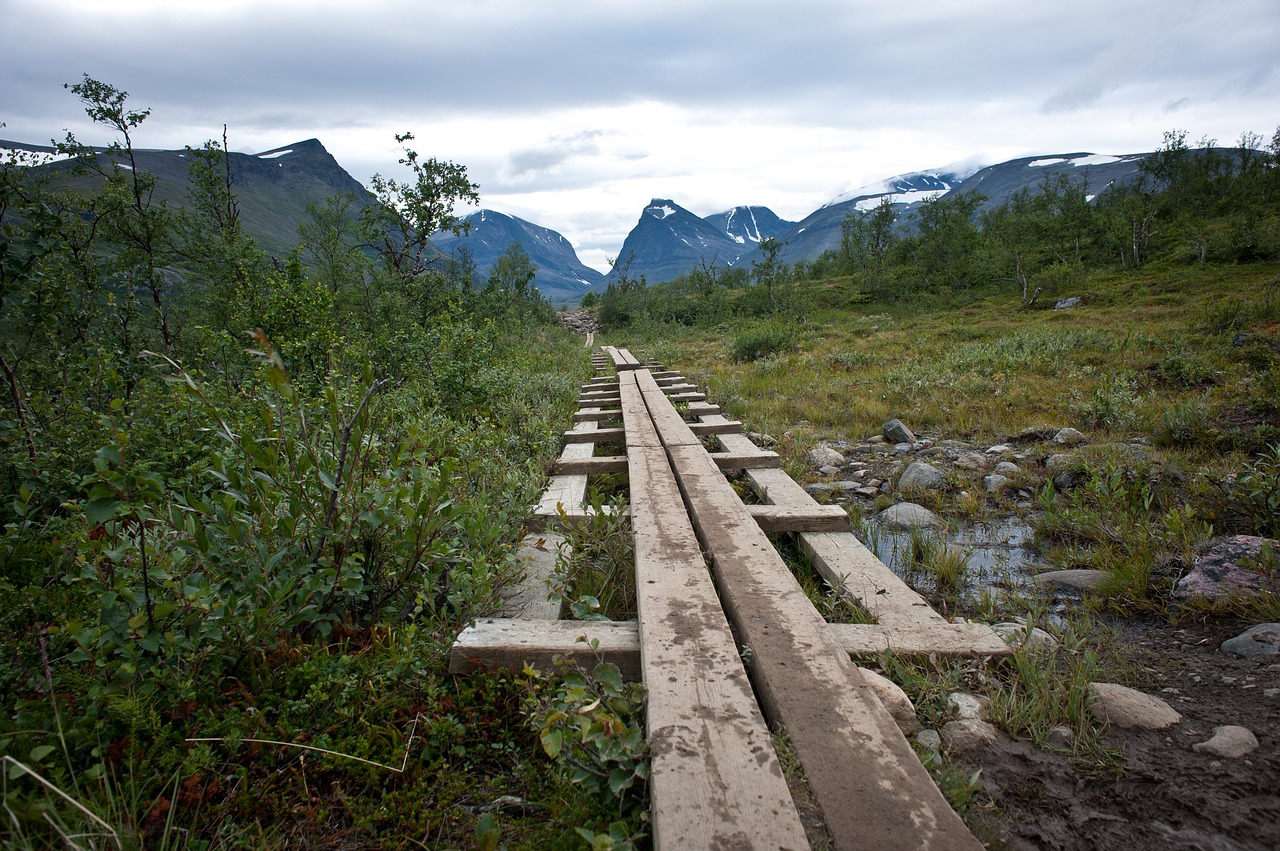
(250, 500)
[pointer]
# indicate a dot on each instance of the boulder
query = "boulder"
(920, 475)
(906, 516)
(972, 461)
(1259, 642)
(1227, 568)
(1121, 706)
(896, 431)
(1228, 742)
(1068, 303)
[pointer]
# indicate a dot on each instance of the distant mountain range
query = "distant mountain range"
(561, 275)
(275, 187)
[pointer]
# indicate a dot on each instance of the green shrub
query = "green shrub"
(1257, 493)
(763, 341)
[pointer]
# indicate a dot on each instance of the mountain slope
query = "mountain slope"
(273, 187)
(561, 277)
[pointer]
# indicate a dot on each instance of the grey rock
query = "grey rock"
(930, 739)
(876, 439)
(969, 734)
(1007, 468)
(1078, 580)
(1228, 742)
(1061, 738)
(906, 516)
(1017, 634)
(896, 431)
(902, 448)
(1055, 464)
(1069, 303)
(994, 483)
(823, 455)
(999, 449)
(1124, 707)
(964, 705)
(1064, 481)
(1069, 437)
(921, 475)
(829, 470)
(1224, 570)
(972, 461)
(1259, 642)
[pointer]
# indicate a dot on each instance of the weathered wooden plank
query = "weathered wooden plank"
(749, 461)
(701, 409)
(821, 518)
(567, 491)
(726, 427)
(529, 598)
(604, 435)
(510, 644)
(862, 772)
(591, 466)
(594, 415)
(688, 397)
(716, 781)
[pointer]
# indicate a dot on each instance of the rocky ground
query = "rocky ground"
(1195, 745)
(1167, 790)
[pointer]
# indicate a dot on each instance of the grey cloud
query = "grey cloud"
(529, 162)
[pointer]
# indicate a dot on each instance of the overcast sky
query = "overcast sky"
(574, 113)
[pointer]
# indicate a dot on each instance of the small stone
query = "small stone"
(999, 449)
(878, 438)
(1061, 463)
(1069, 303)
(1061, 738)
(1271, 692)
(971, 461)
(969, 734)
(1064, 481)
(1228, 742)
(1069, 437)
(994, 483)
(896, 431)
(1017, 634)
(906, 516)
(1007, 468)
(1124, 707)
(920, 475)
(829, 470)
(964, 705)
(930, 739)
(894, 699)
(901, 448)
(823, 455)
(1259, 642)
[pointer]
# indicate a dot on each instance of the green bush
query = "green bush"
(763, 341)
(1257, 493)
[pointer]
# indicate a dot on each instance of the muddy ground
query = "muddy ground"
(1161, 794)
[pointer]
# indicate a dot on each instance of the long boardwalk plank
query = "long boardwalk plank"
(869, 783)
(716, 780)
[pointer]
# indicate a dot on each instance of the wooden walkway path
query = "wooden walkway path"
(710, 583)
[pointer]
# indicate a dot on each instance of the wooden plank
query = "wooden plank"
(863, 774)
(510, 643)
(822, 518)
(688, 397)
(715, 779)
(726, 427)
(592, 466)
(529, 598)
(567, 491)
(593, 415)
(604, 435)
(701, 409)
(749, 461)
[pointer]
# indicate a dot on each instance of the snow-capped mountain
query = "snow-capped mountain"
(561, 275)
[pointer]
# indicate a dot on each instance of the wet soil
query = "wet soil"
(1160, 794)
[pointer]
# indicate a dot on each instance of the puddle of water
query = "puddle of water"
(998, 552)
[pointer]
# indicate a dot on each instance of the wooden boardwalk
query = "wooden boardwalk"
(712, 590)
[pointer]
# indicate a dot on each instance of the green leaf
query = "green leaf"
(101, 510)
(551, 741)
(39, 752)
